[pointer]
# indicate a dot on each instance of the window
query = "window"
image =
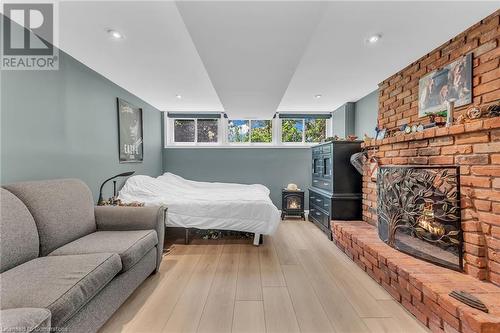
(292, 130)
(207, 130)
(250, 131)
(239, 131)
(305, 130)
(315, 130)
(184, 130)
(261, 131)
(212, 129)
(196, 130)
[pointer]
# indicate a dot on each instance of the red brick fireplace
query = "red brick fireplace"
(474, 146)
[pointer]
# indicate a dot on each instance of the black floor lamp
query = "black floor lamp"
(125, 174)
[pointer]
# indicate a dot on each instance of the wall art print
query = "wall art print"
(451, 83)
(130, 132)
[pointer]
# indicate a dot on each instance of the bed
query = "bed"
(203, 205)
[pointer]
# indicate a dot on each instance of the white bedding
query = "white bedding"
(205, 205)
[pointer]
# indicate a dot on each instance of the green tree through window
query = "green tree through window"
(261, 131)
(291, 130)
(311, 129)
(315, 130)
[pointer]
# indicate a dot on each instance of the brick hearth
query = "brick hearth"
(421, 287)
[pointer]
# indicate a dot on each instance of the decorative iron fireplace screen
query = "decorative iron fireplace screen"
(419, 212)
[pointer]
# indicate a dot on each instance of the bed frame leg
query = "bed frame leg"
(257, 239)
(186, 237)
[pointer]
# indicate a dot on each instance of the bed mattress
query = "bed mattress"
(206, 205)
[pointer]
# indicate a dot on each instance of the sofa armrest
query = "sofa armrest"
(133, 218)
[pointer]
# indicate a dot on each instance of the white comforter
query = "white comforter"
(205, 205)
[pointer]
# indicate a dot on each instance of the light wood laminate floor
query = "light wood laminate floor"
(297, 281)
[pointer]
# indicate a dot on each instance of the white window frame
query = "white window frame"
(170, 133)
(250, 143)
(223, 135)
(328, 131)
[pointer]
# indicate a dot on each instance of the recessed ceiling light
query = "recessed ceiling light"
(115, 34)
(178, 96)
(318, 96)
(373, 39)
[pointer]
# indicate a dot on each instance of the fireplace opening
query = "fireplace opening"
(419, 212)
(293, 203)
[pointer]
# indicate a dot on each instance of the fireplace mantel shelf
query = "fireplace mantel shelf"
(484, 124)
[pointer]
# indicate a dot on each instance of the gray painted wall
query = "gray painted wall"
(366, 110)
(58, 124)
(273, 167)
(343, 120)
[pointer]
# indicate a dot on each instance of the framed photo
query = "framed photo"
(452, 82)
(130, 138)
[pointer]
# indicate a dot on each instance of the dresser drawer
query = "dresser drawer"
(324, 184)
(316, 180)
(319, 216)
(316, 200)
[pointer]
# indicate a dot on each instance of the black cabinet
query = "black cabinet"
(336, 185)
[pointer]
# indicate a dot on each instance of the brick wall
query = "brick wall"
(398, 100)
(475, 146)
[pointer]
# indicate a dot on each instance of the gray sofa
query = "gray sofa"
(67, 265)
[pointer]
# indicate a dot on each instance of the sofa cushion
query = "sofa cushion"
(131, 245)
(25, 320)
(63, 210)
(61, 284)
(18, 234)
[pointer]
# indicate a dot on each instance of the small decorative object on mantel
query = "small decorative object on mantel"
(469, 299)
(439, 118)
(292, 187)
(373, 168)
(493, 110)
(460, 119)
(450, 108)
(430, 125)
(473, 113)
(420, 128)
(407, 129)
(367, 138)
(381, 134)
(351, 137)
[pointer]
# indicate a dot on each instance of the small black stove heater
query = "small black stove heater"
(292, 203)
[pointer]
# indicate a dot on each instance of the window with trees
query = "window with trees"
(250, 131)
(196, 130)
(303, 130)
(210, 129)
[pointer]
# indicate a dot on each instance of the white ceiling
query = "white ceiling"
(252, 59)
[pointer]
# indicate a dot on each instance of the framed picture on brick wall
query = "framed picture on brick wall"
(451, 83)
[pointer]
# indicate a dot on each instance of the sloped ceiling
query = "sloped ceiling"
(251, 49)
(253, 58)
